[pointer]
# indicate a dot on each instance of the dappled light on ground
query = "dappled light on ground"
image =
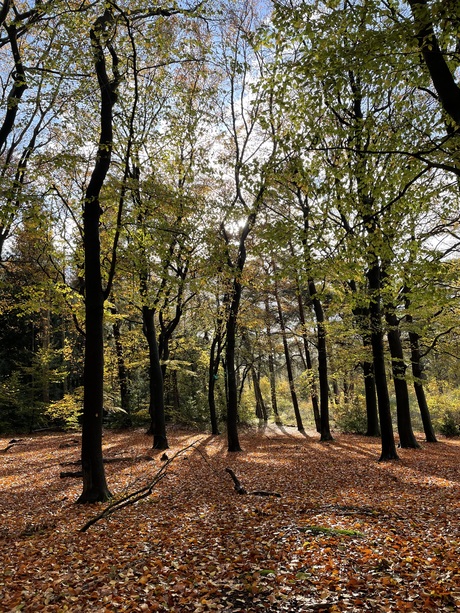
(347, 534)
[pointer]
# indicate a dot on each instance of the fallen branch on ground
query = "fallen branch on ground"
(240, 489)
(12, 443)
(139, 494)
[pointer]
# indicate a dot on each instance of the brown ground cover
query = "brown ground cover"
(347, 534)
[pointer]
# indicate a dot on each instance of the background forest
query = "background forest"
(221, 211)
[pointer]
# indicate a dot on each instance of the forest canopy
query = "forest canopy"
(221, 211)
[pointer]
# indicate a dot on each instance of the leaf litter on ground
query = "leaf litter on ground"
(347, 534)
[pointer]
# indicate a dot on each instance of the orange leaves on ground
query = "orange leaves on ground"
(347, 534)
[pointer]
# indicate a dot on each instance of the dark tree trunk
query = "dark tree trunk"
(94, 482)
(95, 487)
(383, 397)
(287, 355)
(232, 386)
(233, 300)
(407, 439)
(271, 363)
(19, 86)
(175, 392)
(435, 60)
(417, 373)
(213, 369)
(261, 411)
(167, 329)
(313, 388)
(123, 374)
(371, 400)
(322, 363)
(157, 404)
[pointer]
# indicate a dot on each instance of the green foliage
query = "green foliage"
(66, 412)
(350, 417)
(444, 403)
(19, 411)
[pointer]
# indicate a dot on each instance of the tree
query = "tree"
(251, 173)
(287, 355)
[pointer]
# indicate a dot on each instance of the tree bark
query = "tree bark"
(383, 397)
(213, 369)
(371, 399)
(417, 373)
(398, 365)
(322, 363)
(18, 89)
(313, 388)
(271, 363)
(123, 374)
(232, 388)
(95, 487)
(261, 411)
(157, 404)
(287, 355)
(441, 75)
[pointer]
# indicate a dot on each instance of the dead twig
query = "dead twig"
(240, 489)
(139, 494)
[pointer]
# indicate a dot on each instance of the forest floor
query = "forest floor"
(346, 534)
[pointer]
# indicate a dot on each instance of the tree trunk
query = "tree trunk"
(371, 400)
(19, 87)
(213, 369)
(322, 363)
(271, 363)
(233, 300)
(417, 373)
(232, 388)
(398, 365)
(386, 426)
(156, 405)
(435, 60)
(419, 390)
(287, 356)
(261, 411)
(95, 487)
(94, 482)
(313, 388)
(123, 375)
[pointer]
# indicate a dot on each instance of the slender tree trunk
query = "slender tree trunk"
(417, 373)
(18, 89)
(313, 387)
(371, 399)
(383, 397)
(232, 386)
(287, 356)
(157, 404)
(261, 411)
(123, 375)
(271, 363)
(175, 391)
(233, 301)
(322, 363)
(213, 369)
(398, 365)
